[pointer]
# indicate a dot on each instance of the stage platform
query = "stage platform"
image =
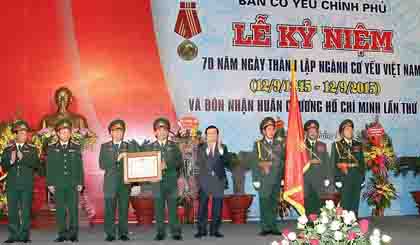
(405, 230)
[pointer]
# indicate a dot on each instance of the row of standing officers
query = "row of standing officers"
(65, 177)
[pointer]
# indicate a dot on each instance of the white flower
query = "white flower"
(335, 225)
(292, 236)
(349, 217)
(338, 235)
(320, 228)
(375, 240)
(300, 226)
(323, 214)
(386, 238)
(376, 233)
(352, 215)
(329, 204)
(303, 220)
(275, 243)
(324, 220)
(284, 242)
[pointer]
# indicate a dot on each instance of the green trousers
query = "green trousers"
(268, 197)
(67, 205)
(19, 201)
(312, 197)
(350, 193)
(120, 199)
(165, 192)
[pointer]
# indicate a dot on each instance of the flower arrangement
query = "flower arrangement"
(6, 137)
(3, 200)
(380, 159)
(333, 226)
(379, 193)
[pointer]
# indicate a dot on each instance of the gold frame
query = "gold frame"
(156, 178)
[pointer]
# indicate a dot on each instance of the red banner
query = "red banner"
(297, 160)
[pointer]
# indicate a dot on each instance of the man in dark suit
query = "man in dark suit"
(211, 160)
(19, 160)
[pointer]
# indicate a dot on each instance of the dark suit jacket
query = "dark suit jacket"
(218, 167)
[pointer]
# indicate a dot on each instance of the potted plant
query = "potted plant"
(239, 202)
(143, 205)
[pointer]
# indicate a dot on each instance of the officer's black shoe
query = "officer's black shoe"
(160, 237)
(73, 239)
(177, 237)
(26, 241)
(264, 233)
(109, 239)
(60, 239)
(217, 234)
(124, 238)
(10, 241)
(200, 234)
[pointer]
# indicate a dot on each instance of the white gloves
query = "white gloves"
(282, 183)
(363, 184)
(338, 184)
(256, 184)
(326, 182)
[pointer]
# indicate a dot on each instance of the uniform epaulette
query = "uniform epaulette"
(31, 145)
(74, 142)
(53, 142)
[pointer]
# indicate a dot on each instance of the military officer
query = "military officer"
(65, 180)
(19, 160)
(165, 191)
(347, 156)
(116, 192)
(267, 174)
(317, 176)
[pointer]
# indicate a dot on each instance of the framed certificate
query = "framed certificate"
(142, 167)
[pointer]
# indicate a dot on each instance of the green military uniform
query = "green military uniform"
(350, 168)
(166, 190)
(318, 171)
(116, 192)
(270, 184)
(19, 184)
(65, 174)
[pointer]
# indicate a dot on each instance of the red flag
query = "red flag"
(297, 161)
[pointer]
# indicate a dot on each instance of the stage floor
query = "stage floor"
(405, 230)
